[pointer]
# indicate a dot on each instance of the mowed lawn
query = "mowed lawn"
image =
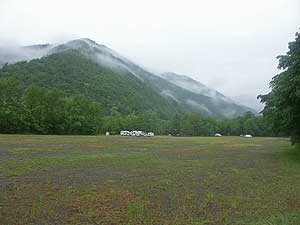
(139, 180)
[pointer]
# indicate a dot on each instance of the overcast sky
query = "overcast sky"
(228, 45)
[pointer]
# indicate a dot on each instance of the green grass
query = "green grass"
(160, 180)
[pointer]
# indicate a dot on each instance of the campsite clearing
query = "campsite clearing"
(159, 180)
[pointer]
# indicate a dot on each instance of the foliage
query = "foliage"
(282, 108)
(67, 93)
(10, 106)
(75, 74)
(40, 111)
(193, 124)
(246, 124)
(50, 111)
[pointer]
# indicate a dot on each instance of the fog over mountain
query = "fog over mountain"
(250, 101)
(177, 91)
(230, 46)
(12, 54)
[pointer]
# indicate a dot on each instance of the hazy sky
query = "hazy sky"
(229, 45)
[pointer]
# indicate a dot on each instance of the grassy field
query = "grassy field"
(160, 180)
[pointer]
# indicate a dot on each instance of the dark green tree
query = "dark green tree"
(282, 104)
(10, 106)
(82, 116)
(44, 110)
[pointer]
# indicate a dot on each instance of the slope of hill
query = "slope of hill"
(194, 86)
(84, 67)
(73, 73)
(204, 98)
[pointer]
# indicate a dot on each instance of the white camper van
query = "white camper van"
(136, 133)
(139, 133)
(124, 133)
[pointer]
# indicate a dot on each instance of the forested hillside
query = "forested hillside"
(51, 111)
(73, 73)
(85, 88)
(190, 98)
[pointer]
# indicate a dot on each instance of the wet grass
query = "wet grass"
(160, 180)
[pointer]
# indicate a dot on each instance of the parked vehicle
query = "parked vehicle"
(248, 136)
(124, 133)
(136, 133)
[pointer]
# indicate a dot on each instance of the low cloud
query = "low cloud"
(230, 46)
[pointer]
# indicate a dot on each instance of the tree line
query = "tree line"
(40, 111)
(37, 110)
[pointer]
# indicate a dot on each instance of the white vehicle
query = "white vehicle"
(139, 133)
(136, 133)
(124, 133)
(218, 135)
(248, 136)
(150, 134)
(106, 133)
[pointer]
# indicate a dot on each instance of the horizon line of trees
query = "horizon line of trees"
(36, 110)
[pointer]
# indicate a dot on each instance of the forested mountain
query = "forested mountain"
(76, 75)
(83, 67)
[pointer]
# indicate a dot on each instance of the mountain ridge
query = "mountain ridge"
(188, 94)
